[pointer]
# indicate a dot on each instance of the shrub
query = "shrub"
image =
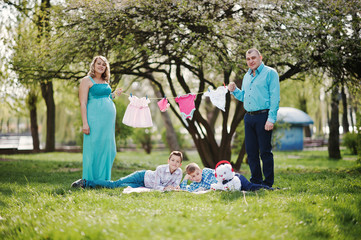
(143, 137)
(358, 138)
(350, 141)
(122, 131)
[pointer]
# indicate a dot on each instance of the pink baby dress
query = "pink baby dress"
(218, 97)
(137, 113)
(163, 104)
(186, 105)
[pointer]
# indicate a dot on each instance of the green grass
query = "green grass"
(322, 201)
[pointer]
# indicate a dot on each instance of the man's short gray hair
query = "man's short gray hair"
(249, 51)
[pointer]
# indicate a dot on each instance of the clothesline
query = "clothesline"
(170, 97)
(165, 96)
(138, 113)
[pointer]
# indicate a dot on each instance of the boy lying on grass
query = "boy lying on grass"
(165, 177)
(202, 180)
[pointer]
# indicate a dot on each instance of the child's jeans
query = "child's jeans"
(134, 180)
(248, 186)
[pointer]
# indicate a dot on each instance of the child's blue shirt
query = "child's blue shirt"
(208, 178)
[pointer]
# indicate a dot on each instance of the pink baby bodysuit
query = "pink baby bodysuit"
(186, 105)
(163, 104)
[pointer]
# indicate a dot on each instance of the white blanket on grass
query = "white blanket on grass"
(144, 189)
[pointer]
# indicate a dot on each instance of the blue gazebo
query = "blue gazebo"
(291, 137)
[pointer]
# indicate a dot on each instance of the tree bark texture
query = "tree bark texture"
(334, 124)
(211, 113)
(345, 124)
(32, 100)
(240, 157)
(48, 95)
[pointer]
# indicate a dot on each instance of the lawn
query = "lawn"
(318, 198)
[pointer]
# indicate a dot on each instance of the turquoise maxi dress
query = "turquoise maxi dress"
(99, 147)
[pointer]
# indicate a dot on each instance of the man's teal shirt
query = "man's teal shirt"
(261, 91)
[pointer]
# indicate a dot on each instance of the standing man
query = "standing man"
(260, 94)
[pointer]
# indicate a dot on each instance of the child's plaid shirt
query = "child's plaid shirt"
(208, 178)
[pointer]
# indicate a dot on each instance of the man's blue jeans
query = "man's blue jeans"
(258, 143)
(134, 180)
(248, 186)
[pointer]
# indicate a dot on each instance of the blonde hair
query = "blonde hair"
(177, 153)
(106, 74)
(192, 167)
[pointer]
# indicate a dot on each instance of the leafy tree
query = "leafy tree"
(193, 44)
(338, 51)
(333, 53)
(35, 61)
(332, 31)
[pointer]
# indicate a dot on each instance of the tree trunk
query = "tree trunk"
(48, 95)
(32, 100)
(47, 85)
(307, 130)
(351, 120)
(201, 131)
(334, 137)
(211, 113)
(209, 151)
(327, 110)
(345, 125)
(199, 128)
(238, 164)
(303, 107)
(171, 135)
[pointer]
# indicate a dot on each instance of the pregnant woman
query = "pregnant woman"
(98, 117)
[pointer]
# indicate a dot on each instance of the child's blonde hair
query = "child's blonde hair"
(192, 167)
(177, 153)
(106, 73)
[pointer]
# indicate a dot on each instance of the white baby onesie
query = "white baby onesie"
(218, 97)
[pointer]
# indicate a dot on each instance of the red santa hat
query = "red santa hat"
(220, 163)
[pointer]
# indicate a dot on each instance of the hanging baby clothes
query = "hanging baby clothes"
(163, 104)
(138, 114)
(186, 105)
(218, 97)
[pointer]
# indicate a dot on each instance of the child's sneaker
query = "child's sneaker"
(78, 183)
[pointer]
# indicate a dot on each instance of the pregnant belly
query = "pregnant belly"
(101, 110)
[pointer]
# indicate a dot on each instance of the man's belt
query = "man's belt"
(258, 112)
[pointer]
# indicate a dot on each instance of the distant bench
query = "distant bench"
(314, 142)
